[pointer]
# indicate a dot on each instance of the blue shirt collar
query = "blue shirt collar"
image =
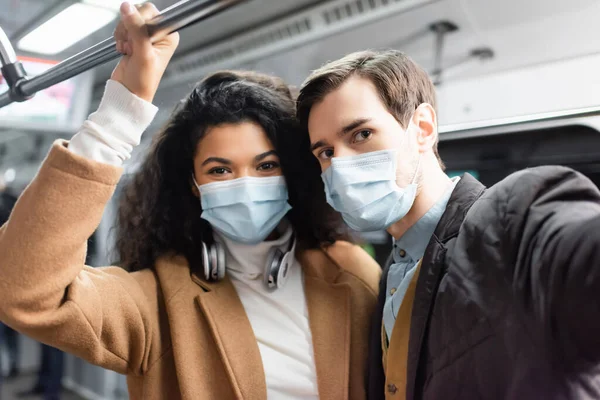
(411, 246)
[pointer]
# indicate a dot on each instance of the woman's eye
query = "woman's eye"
(218, 171)
(326, 154)
(268, 166)
(361, 136)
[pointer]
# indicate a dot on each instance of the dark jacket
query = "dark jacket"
(507, 304)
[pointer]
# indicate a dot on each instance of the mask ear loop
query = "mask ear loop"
(195, 183)
(414, 179)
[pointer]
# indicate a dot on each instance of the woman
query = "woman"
(234, 294)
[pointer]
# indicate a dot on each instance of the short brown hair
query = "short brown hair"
(402, 85)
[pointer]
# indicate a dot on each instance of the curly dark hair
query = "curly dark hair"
(159, 214)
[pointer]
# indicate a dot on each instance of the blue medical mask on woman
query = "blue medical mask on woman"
(247, 209)
(363, 189)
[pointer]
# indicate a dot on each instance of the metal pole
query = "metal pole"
(7, 53)
(172, 19)
(440, 29)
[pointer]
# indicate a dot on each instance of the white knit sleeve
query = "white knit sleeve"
(110, 134)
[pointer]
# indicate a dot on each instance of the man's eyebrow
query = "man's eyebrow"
(353, 125)
(345, 130)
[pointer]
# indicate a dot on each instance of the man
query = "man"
(491, 293)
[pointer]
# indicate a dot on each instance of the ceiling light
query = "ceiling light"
(10, 175)
(66, 28)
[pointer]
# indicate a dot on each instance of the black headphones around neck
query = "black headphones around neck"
(276, 269)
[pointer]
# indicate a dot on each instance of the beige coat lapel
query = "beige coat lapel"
(329, 315)
(234, 337)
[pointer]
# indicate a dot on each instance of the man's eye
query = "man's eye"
(361, 136)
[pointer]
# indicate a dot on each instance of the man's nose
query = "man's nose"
(344, 151)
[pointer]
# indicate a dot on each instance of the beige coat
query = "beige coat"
(174, 335)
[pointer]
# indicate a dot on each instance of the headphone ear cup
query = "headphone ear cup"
(212, 253)
(206, 262)
(213, 262)
(272, 269)
(220, 260)
(284, 268)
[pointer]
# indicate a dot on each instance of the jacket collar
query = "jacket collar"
(466, 192)
(224, 314)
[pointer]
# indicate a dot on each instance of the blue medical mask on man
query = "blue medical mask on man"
(245, 210)
(364, 190)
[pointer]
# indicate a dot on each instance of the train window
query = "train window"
(493, 157)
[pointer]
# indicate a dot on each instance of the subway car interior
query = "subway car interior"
(517, 86)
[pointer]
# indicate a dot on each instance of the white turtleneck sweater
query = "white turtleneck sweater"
(279, 319)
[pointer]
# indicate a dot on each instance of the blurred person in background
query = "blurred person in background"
(9, 338)
(49, 377)
(242, 285)
(490, 293)
(12, 345)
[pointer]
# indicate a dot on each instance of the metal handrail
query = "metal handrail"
(172, 19)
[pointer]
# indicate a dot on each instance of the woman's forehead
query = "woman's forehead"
(234, 141)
